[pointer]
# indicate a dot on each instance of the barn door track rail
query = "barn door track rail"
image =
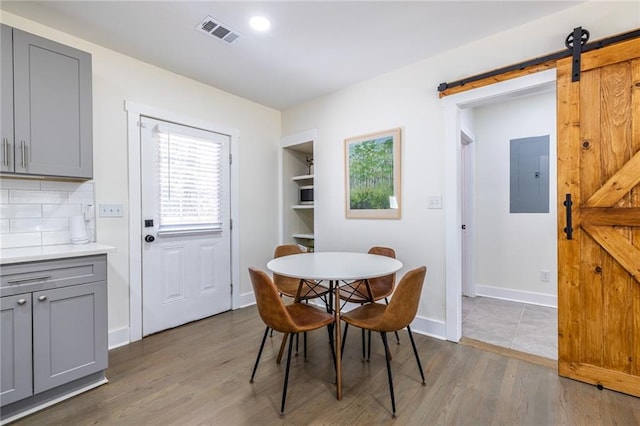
(573, 49)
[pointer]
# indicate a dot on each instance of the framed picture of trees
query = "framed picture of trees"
(372, 175)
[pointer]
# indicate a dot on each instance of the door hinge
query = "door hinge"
(574, 42)
(230, 159)
(231, 285)
(230, 224)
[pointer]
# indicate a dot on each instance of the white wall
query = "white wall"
(408, 98)
(117, 78)
(512, 249)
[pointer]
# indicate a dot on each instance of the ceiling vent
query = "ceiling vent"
(218, 30)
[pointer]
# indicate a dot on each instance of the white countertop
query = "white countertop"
(31, 254)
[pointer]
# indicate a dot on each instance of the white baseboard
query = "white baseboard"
(517, 295)
(421, 325)
(118, 337)
(244, 300)
(429, 327)
(52, 402)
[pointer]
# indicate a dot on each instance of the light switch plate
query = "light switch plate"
(545, 276)
(435, 202)
(111, 210)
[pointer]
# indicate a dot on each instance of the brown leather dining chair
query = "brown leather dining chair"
(291, 319)
(288, 286)
(398, 314)
(381, 288)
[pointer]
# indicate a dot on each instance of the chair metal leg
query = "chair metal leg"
(297, 341)
(286, 376)
(386, 351)
(369, 354)
(363, 344)
(305, 345)
(255, 367)
(369, 348)
(283, 344)
(344, 338)
(415, 352)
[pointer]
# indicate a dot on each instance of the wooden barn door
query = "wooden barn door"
(599, 268)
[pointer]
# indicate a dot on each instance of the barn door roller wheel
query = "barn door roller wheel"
(577, 34)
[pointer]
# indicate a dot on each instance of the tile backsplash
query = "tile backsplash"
(37, 212)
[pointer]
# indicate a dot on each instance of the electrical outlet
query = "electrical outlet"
(434, 202)
(545, 276)
(111, 210)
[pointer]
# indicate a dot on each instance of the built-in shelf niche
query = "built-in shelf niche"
(298, 219)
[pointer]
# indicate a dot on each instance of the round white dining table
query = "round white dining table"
(338, 268)
(334, 266)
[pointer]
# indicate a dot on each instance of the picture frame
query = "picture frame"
(372, 175)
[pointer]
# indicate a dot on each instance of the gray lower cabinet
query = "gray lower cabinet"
(48, 93)
(69, 334)
(15, 322)
(54, 330)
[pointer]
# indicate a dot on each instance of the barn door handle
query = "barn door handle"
(567, 207)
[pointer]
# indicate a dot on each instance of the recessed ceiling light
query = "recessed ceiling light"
(260, 23)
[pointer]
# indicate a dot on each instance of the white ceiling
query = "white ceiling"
(313, 47)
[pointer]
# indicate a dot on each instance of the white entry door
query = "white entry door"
(186, 248)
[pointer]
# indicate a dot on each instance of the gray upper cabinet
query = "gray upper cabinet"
(6, 77)
(52, 108)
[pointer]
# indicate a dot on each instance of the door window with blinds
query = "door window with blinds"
(190, 179)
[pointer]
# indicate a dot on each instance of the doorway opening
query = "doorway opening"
(513, 215)
(457, 111)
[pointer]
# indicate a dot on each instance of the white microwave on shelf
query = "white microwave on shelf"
(305, 194)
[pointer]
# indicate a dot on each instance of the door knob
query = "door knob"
(149, 238)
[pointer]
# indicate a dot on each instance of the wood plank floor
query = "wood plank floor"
(198, 374)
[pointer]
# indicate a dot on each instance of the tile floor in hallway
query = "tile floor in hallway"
(527, 328)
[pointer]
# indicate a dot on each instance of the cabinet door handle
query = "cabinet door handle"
(23, 149)
(22, 280)
(22, 301)
(42, 298)
(5, 147)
